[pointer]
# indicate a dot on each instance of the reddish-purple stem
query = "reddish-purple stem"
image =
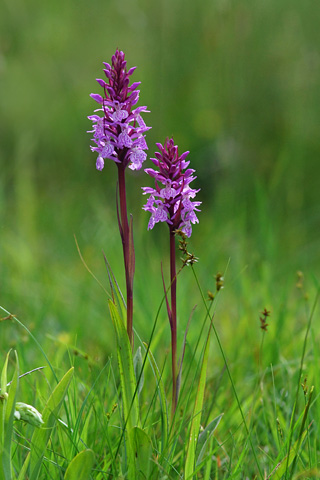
(127, 254)
(173, 318)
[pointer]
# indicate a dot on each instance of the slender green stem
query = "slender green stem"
(128, 253)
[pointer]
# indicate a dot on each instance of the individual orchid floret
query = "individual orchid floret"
(119, 133)
(171, 199)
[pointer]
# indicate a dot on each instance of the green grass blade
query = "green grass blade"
(24, 469)
(163, 400)
(3, 404)
(16, 320)
(304, 419)
(209, 462)
(7, 418)
(281, 468)
(195, 424)
(50, 413)
(180, 362)
(4, 378)
(301, 369)
(231, 380)
(80, 466)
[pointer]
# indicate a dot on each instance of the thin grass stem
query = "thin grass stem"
(298, 384)
(34, 339)
(231, 379)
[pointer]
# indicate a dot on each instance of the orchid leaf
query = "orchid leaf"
(116, 292)
(138, 369)
(80, 466)
(162, 397)
(143, 452)
(205, 437)
(131, 268)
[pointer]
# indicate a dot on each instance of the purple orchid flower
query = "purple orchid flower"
(171, 199)
(119, 133)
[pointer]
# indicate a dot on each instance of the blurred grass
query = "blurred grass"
(236, 83)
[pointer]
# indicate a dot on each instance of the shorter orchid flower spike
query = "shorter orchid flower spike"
(171, 199)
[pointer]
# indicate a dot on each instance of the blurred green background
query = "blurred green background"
(235, 82)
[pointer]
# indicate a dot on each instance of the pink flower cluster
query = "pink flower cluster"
(171, 199)
(119, 133)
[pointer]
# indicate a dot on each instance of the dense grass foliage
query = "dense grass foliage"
(236, 83)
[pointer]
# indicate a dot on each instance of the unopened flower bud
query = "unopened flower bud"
(27, 413)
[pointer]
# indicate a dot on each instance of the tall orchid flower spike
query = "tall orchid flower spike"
(118, 134)
(171, 201)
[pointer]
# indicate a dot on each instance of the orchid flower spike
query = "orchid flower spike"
(171, 200)
(118, 128)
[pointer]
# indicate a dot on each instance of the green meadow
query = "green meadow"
(236, 84)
